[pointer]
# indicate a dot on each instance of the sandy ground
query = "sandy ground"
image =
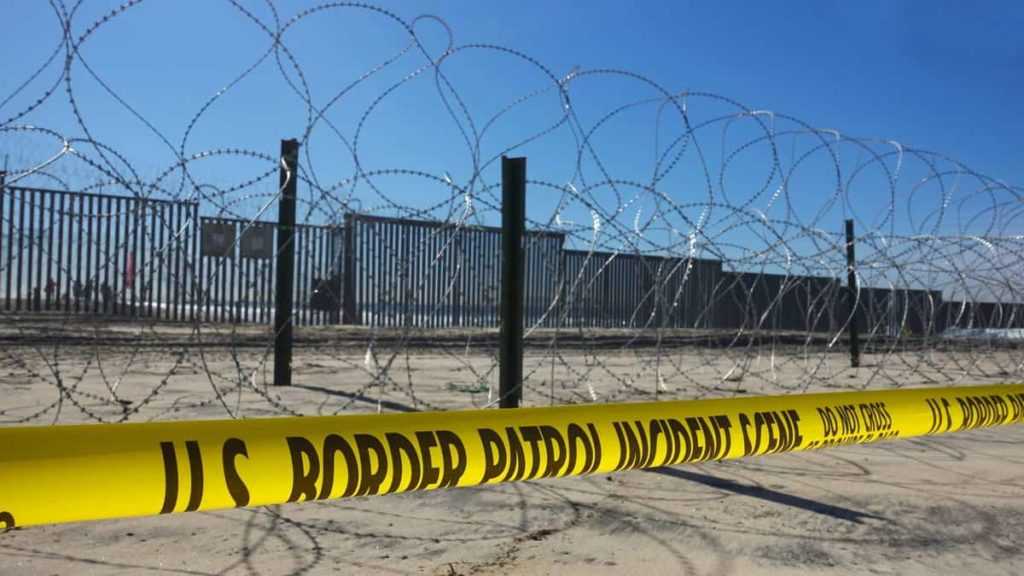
(941, 505)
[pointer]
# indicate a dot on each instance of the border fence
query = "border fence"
(117, 256)
(94, 253)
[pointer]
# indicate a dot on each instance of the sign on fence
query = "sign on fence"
(218, 239)
(257, 241)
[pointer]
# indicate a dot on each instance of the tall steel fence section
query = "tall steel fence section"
(237, 272)
(437, 274)
(623, 290)
(777, 302)
(120, 256)
(99, 254)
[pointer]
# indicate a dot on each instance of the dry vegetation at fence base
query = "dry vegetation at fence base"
(126, 372)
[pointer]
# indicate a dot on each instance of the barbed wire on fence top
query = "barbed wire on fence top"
(681, 243)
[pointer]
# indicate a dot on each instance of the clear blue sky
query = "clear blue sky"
(935, 75)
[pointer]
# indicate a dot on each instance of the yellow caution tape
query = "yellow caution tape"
(68, 473)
